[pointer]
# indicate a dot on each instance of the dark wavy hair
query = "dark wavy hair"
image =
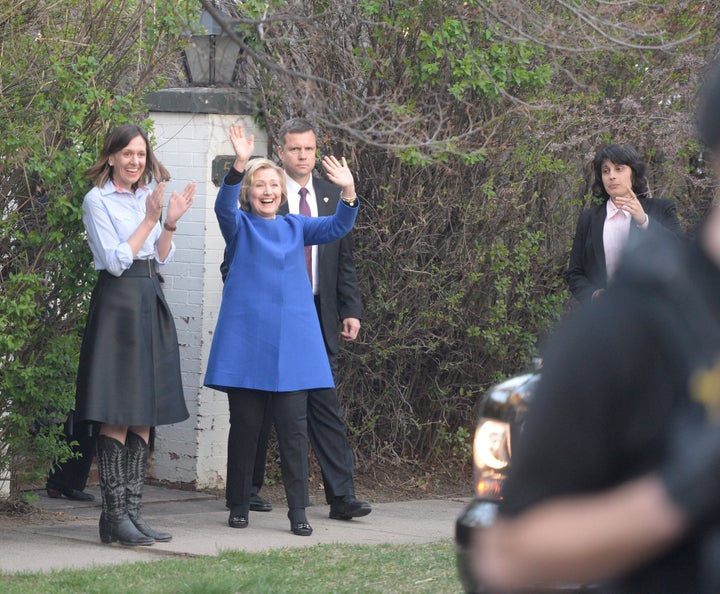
(101, 172)
(620, 154)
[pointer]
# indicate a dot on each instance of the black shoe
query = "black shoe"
(301, 528)
(259, 504)
(73, 494)
(238, 521)
(347, 508)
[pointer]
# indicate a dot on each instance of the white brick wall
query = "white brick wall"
(195, 451)
(4, 474)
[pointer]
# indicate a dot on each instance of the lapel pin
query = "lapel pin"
(326, 199)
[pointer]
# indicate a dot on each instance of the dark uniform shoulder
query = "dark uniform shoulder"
(652, 263)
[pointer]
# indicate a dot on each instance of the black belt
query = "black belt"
(141, 268)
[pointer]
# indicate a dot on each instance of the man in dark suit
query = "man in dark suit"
(70, 477)
(603, 230)
(337, 299)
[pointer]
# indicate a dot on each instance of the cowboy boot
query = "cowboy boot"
(115, 524)
(137, 459)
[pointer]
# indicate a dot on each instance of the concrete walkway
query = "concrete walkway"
(198, 522)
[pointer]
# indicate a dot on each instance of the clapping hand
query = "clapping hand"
(242, 145)
(154, 203)
(180, 203)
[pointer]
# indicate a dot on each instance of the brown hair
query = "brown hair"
(115, 141)
(296, 126)
(253, 166)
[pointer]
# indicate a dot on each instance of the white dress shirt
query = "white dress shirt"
(293, 190)
(615, 235)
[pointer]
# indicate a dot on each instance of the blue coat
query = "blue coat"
(268, 334)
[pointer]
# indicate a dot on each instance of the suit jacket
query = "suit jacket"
(587, 272)
(338, 290)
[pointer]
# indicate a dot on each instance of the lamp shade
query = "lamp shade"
(211, 57)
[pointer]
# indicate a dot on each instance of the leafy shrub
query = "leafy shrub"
(71, 71)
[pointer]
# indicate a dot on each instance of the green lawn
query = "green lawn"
(322, 569)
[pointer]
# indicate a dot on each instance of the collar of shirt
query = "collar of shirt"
(293, 190)
(612, 210)
(118, 200)
(120, 190)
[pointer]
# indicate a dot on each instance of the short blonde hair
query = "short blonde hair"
(253, 166)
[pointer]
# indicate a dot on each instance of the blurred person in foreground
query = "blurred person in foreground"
(603, 230)
(616, 478)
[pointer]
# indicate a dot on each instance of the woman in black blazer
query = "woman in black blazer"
(604, 229)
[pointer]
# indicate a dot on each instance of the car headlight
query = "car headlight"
(491, 457)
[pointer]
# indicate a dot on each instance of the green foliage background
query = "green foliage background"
(472, 126)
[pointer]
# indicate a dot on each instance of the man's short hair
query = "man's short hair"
(296, 126)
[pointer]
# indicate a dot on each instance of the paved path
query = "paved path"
(198, 522)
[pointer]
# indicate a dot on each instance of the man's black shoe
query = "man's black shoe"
(347, 508)
(259, 504)
(73, 494)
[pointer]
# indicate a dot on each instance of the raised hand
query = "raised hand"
(339, 174)
(180, 203)
(242, 145)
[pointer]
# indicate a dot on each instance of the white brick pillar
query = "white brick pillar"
(190, 132)
(5, 474)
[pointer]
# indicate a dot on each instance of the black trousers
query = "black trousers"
(328, 435)
(73, 473)
(247, 418)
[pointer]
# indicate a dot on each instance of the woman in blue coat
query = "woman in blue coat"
(267, 341)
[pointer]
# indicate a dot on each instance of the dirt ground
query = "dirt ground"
(385, 482)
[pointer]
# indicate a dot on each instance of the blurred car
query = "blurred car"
(501, 414)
